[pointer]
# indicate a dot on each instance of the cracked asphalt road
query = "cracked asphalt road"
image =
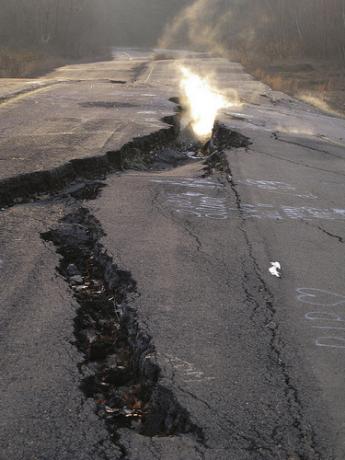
(256, 361)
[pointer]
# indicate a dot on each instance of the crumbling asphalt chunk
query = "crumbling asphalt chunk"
(225, 138)
(146, 152)
(222, 139)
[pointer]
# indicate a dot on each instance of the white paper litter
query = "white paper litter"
(275, 270)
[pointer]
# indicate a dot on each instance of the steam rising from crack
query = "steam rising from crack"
(202, 101)
(200, 25)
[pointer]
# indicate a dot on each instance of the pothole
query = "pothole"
(88, 190)
(119, 370)
(107, 105)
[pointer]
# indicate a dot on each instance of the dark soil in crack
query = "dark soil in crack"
(119, 370)
(136, 154)
(222, 139)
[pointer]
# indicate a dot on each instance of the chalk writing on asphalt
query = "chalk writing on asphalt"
(276, 186)
(203, 206)
(203, 199)
(327, 321)
(189, 372)
(315, 296)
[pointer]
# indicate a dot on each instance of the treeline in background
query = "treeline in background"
(295, 46)
(264, 28)
(39, 34)
(285, 28)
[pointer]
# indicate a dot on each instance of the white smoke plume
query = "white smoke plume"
(214, 25)
(270, 28)
(193, 26)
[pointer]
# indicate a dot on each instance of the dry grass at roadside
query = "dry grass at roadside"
(320, 83)
(25, 63)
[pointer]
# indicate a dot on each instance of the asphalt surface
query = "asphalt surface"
(256, 361)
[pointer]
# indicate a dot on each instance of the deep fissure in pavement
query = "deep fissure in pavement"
(137, 154)
(119, 370)
(166, 148)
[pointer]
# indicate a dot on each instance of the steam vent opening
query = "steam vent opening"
(201, 137)
(201, 102)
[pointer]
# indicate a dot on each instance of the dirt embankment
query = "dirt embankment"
(319, 83)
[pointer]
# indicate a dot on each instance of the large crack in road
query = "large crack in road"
(137, 153)
(182, 344)
(263, 303)
(119, 371)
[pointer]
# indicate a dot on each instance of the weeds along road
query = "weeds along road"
(139, 318)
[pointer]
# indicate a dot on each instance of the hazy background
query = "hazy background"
(35, 34)
(290, 44)
(265, 28)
